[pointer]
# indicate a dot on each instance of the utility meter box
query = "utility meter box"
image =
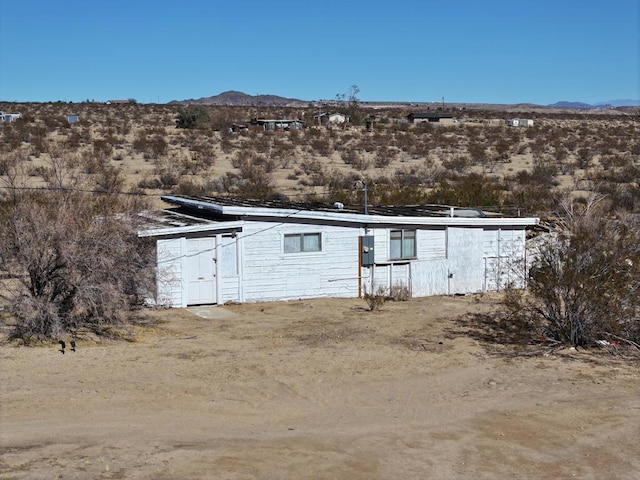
(366, 250)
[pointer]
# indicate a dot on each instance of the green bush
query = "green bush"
(194, 116)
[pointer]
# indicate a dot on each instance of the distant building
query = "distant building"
(73, 118)
(519, 122)
(431, 117)
(268, 124)
(9, 117)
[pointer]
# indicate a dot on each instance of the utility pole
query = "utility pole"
(363, 182)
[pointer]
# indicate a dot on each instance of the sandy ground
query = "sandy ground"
(318, 389)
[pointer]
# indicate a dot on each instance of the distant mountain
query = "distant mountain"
(235, 98)
(564, 104)
(621, 103)
(607, 104)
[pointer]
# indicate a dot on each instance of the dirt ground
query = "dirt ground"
(317, 389)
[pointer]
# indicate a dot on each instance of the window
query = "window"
(302, 242)
(403, 244)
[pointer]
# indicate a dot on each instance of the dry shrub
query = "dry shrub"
(376, 299)
(400, 292)
(74, 262)
(584, 285)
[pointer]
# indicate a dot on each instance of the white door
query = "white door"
(201, 270)
(492, 274)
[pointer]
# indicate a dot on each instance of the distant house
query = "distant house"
(9, 117)
(215, 250)
(431, 117)
(73, 118)
(116, 102)
(519, 122)
(324, 118)
(268, 124)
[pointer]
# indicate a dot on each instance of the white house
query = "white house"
(519, 122)
(9, 117)
(216, 250)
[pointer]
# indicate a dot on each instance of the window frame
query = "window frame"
(302, 247)
(403, 255)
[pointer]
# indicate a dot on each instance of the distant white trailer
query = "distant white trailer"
(9, 117)
(519, 122)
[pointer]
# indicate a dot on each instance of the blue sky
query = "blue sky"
(405, 50)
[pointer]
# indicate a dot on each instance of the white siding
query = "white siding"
(432, 244)
(429, 270)
(390, 275)
(455, 260)
(465, 259)
(426, 274)
(228, 268)
(429, 278)
(169, 272)
(252, 266)
(270, 274)
(504, 258)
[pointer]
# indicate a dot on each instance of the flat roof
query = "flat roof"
(376, 214)
(430, 115)
(384, 210)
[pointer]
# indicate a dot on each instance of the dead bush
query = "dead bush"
(75, 264)
(584, 285)
(400, 292)
(376, 299)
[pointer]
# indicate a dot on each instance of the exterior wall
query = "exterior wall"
(453, 260)
(270, 274)
(446, 121)
(172, 271)
(505, 258)
(10, 117)
(252, 265)
(169, 272)
(440, 120)
(465, 260)
(519, 122)
(228, 264)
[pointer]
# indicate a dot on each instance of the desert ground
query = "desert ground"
(137, 148)
(318, 389)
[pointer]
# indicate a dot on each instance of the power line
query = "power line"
(79, 190)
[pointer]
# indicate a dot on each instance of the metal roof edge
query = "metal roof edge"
(209, 227)
(189, 202)
(362, 219)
